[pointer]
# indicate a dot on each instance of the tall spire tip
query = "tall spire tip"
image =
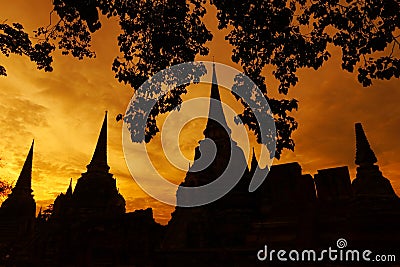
(99, 159)
(364, 153)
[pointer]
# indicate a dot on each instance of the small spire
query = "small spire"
(40, 213)
(24, 182)
(69, 190)
(364, 153)
(254, 162)
(216, 118)
(99, 159)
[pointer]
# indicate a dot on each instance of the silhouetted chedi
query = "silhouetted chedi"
(17, 212)
(369, 180)
(90, 227)
(95, 193)
(211, 226)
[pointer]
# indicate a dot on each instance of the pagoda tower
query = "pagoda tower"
(17, 213)
(96, 193)
(369, 180)
(228, 155)
(206, 226)
(20, 202)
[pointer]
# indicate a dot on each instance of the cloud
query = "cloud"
(330, 102)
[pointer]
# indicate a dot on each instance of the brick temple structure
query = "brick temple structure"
(290, 210)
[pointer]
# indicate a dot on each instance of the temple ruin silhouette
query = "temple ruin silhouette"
(89, 225)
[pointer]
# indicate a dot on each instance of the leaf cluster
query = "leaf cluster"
(14, 40)
(286, 35)
(289, 35)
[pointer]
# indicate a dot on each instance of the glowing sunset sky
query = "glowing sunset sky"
(63, 112)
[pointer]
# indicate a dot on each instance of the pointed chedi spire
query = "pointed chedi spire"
(364, 153)
(254, 162)
(369, 180)
(216, 124)
(24, 182)
(69, 190)
(95, 192)
(99, 159)
(20, 202)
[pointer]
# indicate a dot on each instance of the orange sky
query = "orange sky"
(63, 111)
